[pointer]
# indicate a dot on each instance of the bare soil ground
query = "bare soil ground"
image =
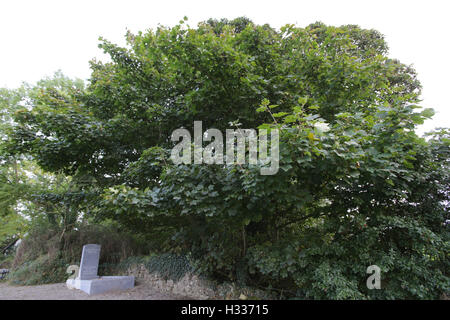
(59, 291)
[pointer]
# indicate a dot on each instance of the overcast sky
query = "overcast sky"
(40, 37)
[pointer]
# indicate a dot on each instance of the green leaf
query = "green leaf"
(428, 113)
(290, 119)
(302, 100)
(279, 114)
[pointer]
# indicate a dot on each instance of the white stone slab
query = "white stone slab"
(102, 284)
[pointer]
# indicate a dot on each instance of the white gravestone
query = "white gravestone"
(89, 262)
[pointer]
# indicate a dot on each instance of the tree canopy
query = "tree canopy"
(356, 187)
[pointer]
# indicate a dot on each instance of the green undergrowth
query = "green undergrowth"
(168, 266)
(42, 270)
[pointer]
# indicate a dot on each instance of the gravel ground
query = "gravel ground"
(59, 291)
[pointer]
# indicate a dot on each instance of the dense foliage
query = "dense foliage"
(28, 194)
(356, 185)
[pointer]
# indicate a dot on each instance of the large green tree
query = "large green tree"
(356, 185)
(28, 194)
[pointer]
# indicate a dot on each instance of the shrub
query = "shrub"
(42, 270)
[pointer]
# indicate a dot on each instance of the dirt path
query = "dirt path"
(59, 291)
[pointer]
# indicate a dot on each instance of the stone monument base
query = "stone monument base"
(102, 284)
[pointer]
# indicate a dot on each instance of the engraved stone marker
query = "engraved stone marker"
(89, 262)
(88, 280)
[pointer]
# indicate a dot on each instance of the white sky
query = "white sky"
(40, 37)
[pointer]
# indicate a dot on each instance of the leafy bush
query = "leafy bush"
(44, 269)
(6, 261)
(356, 185)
